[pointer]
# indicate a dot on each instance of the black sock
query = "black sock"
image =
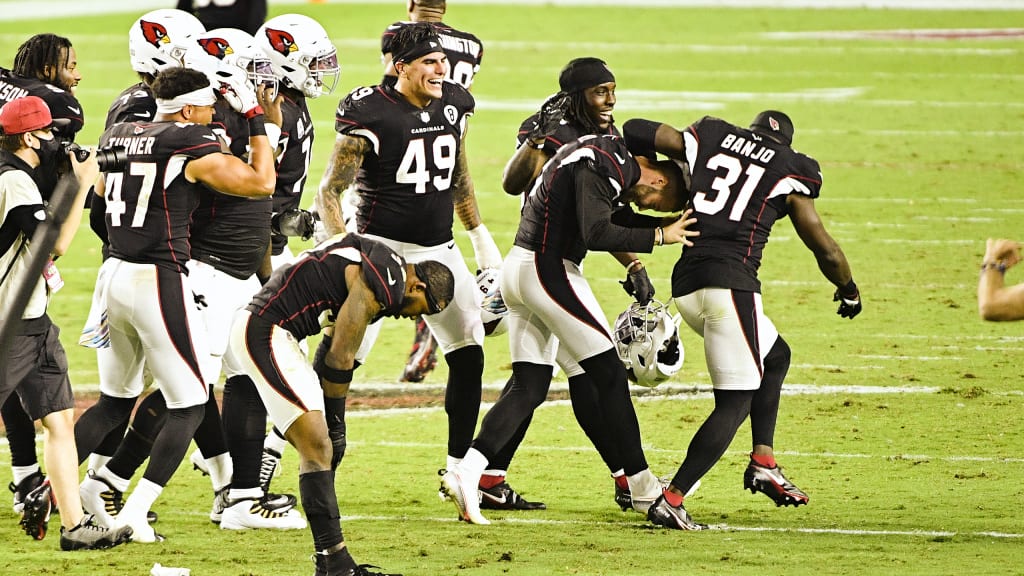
(619, 418)
(462, 397)
(172, 442)
(210, 433)
(21, 432)
(320, 502)
(95, 423)
(137, 443)
(334, 411)
(505, 422)
(245, 421)
(713, 437)
(764, 408)
(583, 395)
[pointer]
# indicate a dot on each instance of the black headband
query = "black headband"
(418, 50)
(582, 73)
(432, 305)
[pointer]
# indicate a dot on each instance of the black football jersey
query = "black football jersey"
(739, 182)
(305, 296)
(245, 15)
(405, 183)
(231, 233)
(464, 51)
(293, 159)
(62, 104)
(134, 104)
(584, 181)
(149, 205)
(566, 132)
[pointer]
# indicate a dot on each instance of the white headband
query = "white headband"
(200, 97)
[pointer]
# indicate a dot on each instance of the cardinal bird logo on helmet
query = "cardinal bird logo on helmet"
(282, 42)
(154, 33)
(217, 47)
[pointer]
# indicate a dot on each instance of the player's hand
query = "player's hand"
(270, 99)
(638, 285)
(552, 114)
(1005, 252)
(678, 231)
(849, 304)
(295, 222)
(239, 92)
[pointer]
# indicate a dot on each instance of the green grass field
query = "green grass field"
(904, 425)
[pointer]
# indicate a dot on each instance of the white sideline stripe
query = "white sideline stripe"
(715, 527)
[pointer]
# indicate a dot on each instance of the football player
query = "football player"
(742, 181)
(347, 282)
(246, 15)
(403, 148)
(579, 203)
(465, 52)
(170, 164)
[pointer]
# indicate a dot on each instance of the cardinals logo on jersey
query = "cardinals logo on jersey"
(282, 42)
(154, 33)
(217, 47)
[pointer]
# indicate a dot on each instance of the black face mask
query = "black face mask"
(49, 152)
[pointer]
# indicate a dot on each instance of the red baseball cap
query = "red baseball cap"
(25, 114)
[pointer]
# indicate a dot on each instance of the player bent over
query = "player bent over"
(346, 283)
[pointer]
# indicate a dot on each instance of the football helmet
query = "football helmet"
(493, 311)
(159, 39)
(647, 341)
(301, 53)
(237, 48)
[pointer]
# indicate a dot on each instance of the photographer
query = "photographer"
(37, 367)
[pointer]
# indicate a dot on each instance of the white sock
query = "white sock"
(141, 499)
(452, 462)
(114, 480)
(274, 442)
(644, 485)
(495, 472)
(245, 494)
(21, 472)
(221, 469)
(97, 461)
(474, 462)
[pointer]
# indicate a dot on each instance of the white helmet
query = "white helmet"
(647, 341)
(237, 48)
(159, 39)
(301, 52)
(493, 311)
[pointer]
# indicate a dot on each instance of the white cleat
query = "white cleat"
(100, 499)
(250, 514)
(463, 491)
(142, 531)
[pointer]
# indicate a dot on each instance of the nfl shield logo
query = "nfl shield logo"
(425, 116)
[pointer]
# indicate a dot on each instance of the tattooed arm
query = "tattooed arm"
(341, 170)
(463, 195)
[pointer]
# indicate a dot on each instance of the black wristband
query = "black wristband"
(257, 126)
(849, 290)
(331, 374)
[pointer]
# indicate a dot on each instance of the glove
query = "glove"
(296, 222)
(486, 251)
(552, 114)
(638, 285)
(236, 88)
(849, 306)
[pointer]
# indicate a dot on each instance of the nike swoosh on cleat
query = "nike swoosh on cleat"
(496, 500)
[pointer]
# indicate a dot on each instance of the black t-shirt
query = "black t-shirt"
(578, 206)
(739, 182)
(405, 182)
(305, 296)
(150, 203)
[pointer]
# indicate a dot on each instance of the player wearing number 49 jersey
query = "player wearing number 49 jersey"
(741, 181)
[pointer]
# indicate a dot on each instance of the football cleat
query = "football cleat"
(220, 503)
(624, 499)
(88, 535)
(251, 513)
(279, 502)
(759, 478)
(661, 513)
(35, 514)
(21, 489)
(503, 497)
(100, 498)
(329, 565)
(423, 356)
(138, 528)
(463, 492)
(198, 462)
(269, 469)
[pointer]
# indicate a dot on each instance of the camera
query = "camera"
(109, 159)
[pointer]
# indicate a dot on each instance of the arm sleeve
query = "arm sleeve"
(595, 196)
(625, 216)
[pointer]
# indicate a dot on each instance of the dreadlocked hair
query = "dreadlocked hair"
(40, 52)
(577, 111)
